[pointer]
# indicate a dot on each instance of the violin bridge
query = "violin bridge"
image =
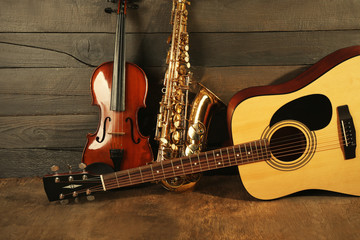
(117, 133)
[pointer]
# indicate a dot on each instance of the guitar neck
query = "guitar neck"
(220, 158)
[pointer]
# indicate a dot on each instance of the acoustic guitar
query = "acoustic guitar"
(286, 138)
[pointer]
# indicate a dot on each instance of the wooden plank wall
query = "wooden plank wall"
(50, 48)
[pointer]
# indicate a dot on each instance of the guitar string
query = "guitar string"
(123, 181)
(169, 171)
(290, 145)
(297, 153)
(189, 167)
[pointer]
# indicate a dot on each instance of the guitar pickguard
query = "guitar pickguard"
(314, 111)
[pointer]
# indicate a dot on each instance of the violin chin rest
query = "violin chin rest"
(99, 168)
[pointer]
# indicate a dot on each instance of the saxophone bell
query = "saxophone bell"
(202, 109)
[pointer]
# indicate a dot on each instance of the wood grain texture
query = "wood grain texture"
(46, 81)
(37, 162)
(27, 105)
(57, 131)
(205, 16)
(149, 50)
(50, 49)
(219, 208)
(234, 79)
(75, 82)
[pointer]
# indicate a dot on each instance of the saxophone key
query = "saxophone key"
(184, 47)
(178, 107)
(176, 137)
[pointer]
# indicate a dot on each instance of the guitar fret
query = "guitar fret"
(222, 159)
(192, 170)
(228, 156)
(233, 148)
(129, 176)
(215, 159)
(152, 171)
(162, 167)
(257, 151)
(117, 181)
(142, 179)
(251, 152)
(157, 169)
(103, 183)
(266, 150)
(261, 148)
(182, 165)
(246, 153)
(207, 160)
(177, 166)
(199, 162)
(240, 154)
(194, 164)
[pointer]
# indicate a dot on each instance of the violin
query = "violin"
(119, 89)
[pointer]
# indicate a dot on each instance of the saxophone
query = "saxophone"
(181, 132)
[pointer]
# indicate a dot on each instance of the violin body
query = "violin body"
(118, 141)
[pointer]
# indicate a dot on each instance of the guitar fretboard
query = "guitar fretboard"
(220, 158)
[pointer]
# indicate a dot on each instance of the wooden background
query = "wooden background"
(49, 49)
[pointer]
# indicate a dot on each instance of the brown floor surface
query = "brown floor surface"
(219, 208)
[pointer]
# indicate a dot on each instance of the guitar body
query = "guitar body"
(304, 110)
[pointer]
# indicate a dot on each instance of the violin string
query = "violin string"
(123, 68)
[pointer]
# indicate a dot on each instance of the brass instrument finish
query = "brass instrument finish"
(178, 132)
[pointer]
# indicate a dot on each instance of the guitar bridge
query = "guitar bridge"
(348, 133)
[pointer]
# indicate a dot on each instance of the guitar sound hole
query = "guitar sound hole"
(288, 144)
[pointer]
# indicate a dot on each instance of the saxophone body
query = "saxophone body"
(181, 128)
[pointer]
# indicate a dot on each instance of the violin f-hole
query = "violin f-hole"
(132, 131)
(104, 131)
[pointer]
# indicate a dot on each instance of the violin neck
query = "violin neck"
(117, 102)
